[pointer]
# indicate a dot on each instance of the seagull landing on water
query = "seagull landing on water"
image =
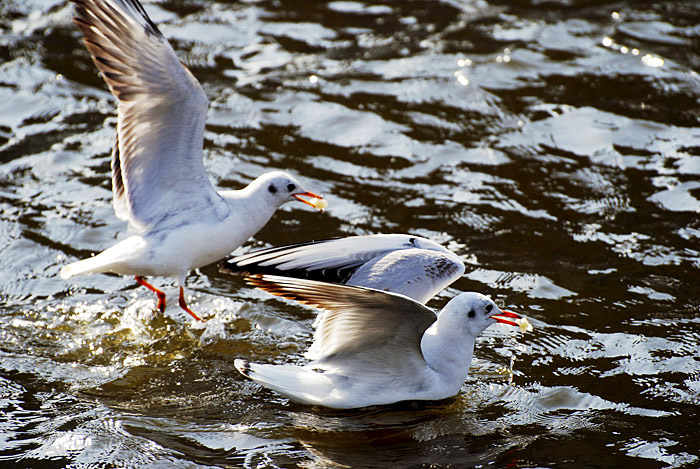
(376, 348)
(158, 180)
(399, 263)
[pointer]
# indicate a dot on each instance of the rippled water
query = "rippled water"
(555, 145)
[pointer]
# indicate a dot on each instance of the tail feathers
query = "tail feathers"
(243, 366)
(93, 264)
(125, 257)
(299, 384)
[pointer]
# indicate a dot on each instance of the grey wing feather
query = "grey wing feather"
(119, 201)
(383, 262)
(329, 259)
(157, 166)
(382, 331)
(417, 273)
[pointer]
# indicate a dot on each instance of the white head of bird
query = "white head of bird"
(278, 187)
(468, 313)
(448, 344)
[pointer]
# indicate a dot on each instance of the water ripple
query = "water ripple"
(555, 148)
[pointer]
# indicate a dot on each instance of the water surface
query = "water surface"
(554, 145)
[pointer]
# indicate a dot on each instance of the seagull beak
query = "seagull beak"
(316, 201)
(501, 317)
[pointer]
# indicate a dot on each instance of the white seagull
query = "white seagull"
(376, 348)
(159, 184)
(399, 263)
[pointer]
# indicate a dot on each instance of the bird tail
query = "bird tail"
(117, 259)
(298, 383)
(85, 266)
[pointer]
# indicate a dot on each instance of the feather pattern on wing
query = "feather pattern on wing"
(398, 263)
(161, 114)
(379, 332)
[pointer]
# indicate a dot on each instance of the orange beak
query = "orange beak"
(500, 317)
(314, 201)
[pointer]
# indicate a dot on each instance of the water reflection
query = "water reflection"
(552, 145)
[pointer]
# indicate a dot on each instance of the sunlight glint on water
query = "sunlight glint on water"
(554, 146)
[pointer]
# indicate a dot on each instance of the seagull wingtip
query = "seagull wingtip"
(243, 366)
(228, 267)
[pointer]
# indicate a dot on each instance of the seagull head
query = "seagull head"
(280, 187)
(475, 312)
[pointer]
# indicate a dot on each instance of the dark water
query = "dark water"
(555, 145)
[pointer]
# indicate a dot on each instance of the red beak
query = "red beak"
(500, 317)
(299, 195)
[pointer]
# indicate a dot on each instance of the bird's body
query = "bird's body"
(180, 222)
(375, 348)
(173, 250)
(399, 263)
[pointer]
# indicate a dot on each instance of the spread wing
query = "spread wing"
(417, 273)
(362, 330)
(157, 167)
(396, 263)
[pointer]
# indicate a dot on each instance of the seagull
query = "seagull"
(399, 263)
(377, 348)
(159, 185)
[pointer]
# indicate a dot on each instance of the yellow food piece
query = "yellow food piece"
(320, 204)
(524, 324)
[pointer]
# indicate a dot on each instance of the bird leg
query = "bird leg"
(160, 294)
(184, 306)
(161, 297)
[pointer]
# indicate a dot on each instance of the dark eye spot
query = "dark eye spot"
(291, 187)
(471, 313)
(272, 189)
(488, 308)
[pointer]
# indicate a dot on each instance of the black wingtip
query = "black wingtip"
(230, 267)
(243, 366)
(128, 8)
(251, 264)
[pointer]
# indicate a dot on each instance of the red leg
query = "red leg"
(184, 306)
(160, 294)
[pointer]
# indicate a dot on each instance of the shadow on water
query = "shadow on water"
(555, 146)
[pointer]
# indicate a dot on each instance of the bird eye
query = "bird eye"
(488, 308)
(471, 313)
(291, 187)
(272, 189)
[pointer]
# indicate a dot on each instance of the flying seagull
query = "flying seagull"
(159, 184)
